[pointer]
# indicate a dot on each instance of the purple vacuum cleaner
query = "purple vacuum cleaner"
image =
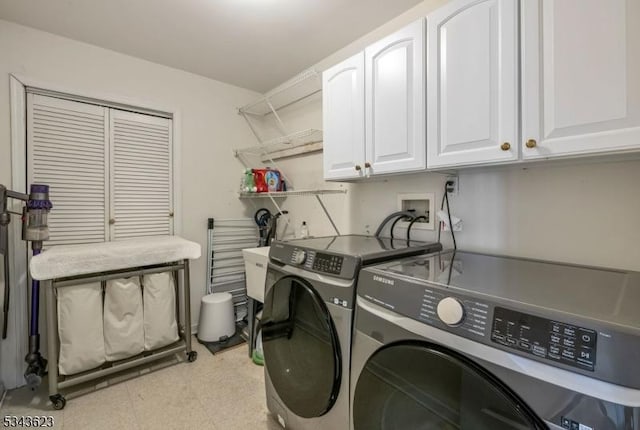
(34, 230)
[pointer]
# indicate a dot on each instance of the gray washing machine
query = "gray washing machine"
(307, 324)
(459, 340)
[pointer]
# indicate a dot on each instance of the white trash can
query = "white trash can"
(217, 320)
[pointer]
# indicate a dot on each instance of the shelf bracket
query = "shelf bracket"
(327, 214)
(253, 130)
(283, 129)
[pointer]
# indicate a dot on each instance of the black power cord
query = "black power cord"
(445, 198)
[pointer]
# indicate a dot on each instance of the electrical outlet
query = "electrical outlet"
(457, 227)
(452, 188)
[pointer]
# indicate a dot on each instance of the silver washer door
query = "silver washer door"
(417, 385)
(301, 347)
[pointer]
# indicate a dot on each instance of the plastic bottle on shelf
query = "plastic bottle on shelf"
(247, 183)
(304, 230)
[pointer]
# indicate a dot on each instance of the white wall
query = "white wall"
(210, 125)
(585, 212)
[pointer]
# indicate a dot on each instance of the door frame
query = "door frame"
(15, 347)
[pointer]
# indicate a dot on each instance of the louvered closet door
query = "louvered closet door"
(66, 144)
(141, 175)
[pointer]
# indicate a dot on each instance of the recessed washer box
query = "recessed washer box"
(423, 204)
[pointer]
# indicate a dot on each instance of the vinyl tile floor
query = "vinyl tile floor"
(219, 392)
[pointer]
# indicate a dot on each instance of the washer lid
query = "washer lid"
(606, 295)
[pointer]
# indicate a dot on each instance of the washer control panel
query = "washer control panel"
(316, 261)
(327, 263)
(463, 314)
(298, 256)
(450, 311)
(553, 340)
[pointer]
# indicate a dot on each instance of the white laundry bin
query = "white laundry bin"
(217, 320)
(256, 261)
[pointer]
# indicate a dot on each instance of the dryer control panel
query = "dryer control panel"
(340, 266)
(567, 344)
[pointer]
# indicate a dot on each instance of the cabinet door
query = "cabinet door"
(580, 77)
(343, 119)
(394, 98)
(472, 93)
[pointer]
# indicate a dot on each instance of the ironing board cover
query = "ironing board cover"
(73, 260)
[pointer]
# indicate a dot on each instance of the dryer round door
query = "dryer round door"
(301, 347)
(417, 385)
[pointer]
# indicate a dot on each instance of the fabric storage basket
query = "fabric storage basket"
(159, 299)
(80, 328)
(123, 320)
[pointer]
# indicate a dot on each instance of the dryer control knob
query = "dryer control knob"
(299, 257)
(450, 311)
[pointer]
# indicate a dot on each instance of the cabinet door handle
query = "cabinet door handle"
(367, 165)
(505, 146)
(357, 167)
(531, 143)
(112, 221)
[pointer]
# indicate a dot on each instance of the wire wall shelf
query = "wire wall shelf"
(298, 88)
(283, 143)
(282, 194)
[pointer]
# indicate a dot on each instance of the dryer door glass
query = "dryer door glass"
(422, 386)
(301, 348)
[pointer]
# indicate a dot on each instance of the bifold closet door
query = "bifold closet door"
(141, 175)
(66, 145)
(109, 171)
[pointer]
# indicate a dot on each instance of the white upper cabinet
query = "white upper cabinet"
(343, 119)
(395, 102)
(472, 86)
(580, 77)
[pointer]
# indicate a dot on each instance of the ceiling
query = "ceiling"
(255, 44)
